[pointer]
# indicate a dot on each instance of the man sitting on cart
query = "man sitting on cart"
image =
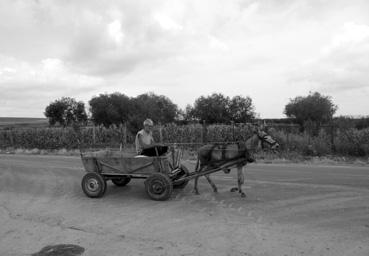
(145, 144)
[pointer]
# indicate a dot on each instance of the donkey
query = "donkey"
(213, 155)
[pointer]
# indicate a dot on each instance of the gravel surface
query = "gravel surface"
(290, 209)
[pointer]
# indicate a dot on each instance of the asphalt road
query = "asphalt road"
(290, 209)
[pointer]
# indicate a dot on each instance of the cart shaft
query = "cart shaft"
(207, 171)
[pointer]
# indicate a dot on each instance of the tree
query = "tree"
(241, 109)
(188, 113)
(315, 109)
(157, 107)
(108, 109)
(117, 108)
(218, 108)
(212, 109)
(66, 111)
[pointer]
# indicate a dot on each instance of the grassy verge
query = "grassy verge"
(190, 155)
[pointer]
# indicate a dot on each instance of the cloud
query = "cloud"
(47, 72)
(342, 64)
(167, 23)
(115, 31)
(116, 37)
(29, 87)
(183, 49)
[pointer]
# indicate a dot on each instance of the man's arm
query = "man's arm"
(152, 141)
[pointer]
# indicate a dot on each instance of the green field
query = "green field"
(19, 122)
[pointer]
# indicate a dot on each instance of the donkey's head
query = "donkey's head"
(265, 138)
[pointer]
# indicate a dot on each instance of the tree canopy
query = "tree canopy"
(241, 109)
(66, 111)
(315, 108)
(159, 108)
(217, 108)
(117, 108)
(108, 109)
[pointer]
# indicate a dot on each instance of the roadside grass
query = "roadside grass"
(264, 157)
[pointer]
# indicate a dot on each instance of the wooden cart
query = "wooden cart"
(161, 173)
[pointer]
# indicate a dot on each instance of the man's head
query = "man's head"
(148, 124)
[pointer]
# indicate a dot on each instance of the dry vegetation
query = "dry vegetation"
(343, 142)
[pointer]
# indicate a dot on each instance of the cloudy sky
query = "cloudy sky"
(270, 50)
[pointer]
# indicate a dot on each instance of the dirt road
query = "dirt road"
(289, 210)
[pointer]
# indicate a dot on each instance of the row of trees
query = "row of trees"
(118, 108)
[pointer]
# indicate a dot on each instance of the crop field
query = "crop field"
(344, 142)
(21, 122)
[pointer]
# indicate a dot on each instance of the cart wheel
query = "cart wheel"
(121, 181)
(93, 185)
(159, 186)
(182, 184)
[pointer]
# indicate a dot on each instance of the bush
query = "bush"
(353, 142)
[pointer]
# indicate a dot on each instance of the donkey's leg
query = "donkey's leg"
(234, 189)
(240, 180)
(211, 183)
(195, 189)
